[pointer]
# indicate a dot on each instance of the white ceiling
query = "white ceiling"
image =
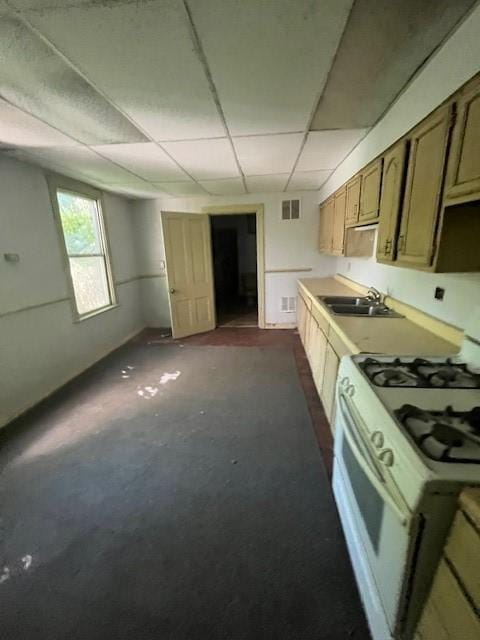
(189, 97)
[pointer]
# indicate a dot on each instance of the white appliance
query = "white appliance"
(407, 439)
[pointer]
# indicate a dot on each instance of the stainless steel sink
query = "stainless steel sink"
(345, 300)
(376, 310)
(352, 306)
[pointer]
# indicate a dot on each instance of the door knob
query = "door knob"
(172, 290)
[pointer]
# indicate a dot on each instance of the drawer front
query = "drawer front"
(338, 344)
(322, 321)
(463, 551)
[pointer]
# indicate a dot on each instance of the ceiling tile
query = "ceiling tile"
(326, 149)
(259, 155)
(384, 43)
(20, 129)
(145, 159)
(204, 159)
(308, 180)
(271, 59)
(262, 184)
(141, 55)
(82, 162)
(37, 80)
(190, 188)
(226, 187)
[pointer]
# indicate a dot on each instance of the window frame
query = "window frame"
(58, 183)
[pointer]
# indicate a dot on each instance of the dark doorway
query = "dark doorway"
(234, 251)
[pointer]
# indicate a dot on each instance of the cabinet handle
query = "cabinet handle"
(401, 242)
(388, 246)
(355, 208)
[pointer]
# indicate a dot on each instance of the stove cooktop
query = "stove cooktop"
(445, 436)
(420, 372)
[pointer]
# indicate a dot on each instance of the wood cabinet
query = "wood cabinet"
(327, 394)
(390, 201)
(370, 192)
(325, 238)
(301, 317)
(338, 228)
(463, 175)
(426, 161)
(352, 201)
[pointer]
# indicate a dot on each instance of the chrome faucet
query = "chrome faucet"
(374, 295)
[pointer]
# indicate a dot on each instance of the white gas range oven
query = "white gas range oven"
(407, 440)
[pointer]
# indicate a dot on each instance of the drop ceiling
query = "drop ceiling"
(192, 97)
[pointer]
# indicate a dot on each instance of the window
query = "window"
(86, 248)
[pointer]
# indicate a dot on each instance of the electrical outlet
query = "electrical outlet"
(439, 293)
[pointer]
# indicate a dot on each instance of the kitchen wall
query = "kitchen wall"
(289, 245)
(453, 64)
(40, 345)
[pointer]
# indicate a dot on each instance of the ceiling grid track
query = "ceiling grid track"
(112, 103)
(213, 89)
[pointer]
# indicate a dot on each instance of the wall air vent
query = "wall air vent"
(290, 209)
(288, 305)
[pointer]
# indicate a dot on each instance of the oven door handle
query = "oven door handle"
(370, 471)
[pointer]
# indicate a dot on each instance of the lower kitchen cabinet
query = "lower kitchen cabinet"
(327, 394)
(452, 608)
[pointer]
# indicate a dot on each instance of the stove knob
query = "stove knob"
(350, 390)
(345, 381)
(377, 439)
(386, 456)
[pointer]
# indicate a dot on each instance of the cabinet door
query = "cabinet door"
(426, 164)
(340, 200)
(301, 317)
(318, 369)
(352, 201)
(329, 382)
(326, 226)
(390, 200)
(370, 191)
(463, 178)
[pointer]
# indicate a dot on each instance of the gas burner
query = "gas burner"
(446, 436)
(420, 373)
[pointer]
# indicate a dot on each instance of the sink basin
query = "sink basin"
(329, 300)
(369, 310)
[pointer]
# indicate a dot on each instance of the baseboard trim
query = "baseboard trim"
(281, 325)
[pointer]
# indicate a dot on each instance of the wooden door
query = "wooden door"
(338, 233)
(423, 189)
(463, 177)
(332, 362)
(370, 192)
(352, 202)
(326, 226)
(390, 200)
(189, 271)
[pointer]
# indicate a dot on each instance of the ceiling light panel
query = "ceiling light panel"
(190, 188)
(308, 180)
(229, 187)
(324, 150)
(204, 159)
(146, 160)
(269, 60)
(84, 162)
(38, 81)
(19, 129)
(265, 184)
(141, 55)
(260, 155)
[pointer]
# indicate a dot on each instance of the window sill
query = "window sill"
(97, 312)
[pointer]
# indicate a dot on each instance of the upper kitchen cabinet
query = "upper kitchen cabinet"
(370, 192)
(463, 176)
(423, 190)
(391, 200)
(338, 235)
(325, 236)
(352, 202)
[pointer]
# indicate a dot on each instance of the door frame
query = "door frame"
(258, 210)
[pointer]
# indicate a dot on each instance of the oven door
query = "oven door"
(375, 517)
